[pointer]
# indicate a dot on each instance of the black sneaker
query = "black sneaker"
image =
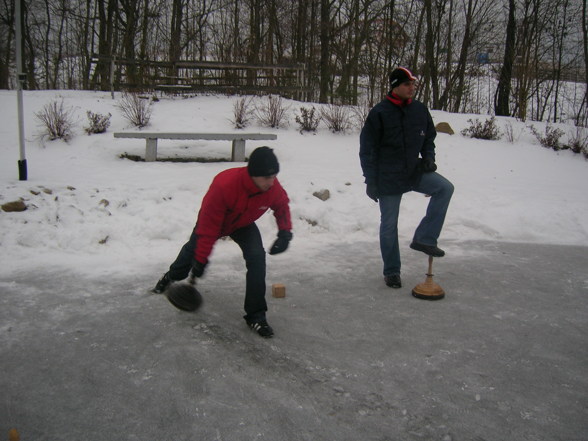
(393, 281)
(262, 328)
(162, 284)
(431, 250)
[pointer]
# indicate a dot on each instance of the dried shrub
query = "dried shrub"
(97, 123)
(578, 142)
(135, 109)
(510, 133)
(272, 112)
(359, 115)
(551, 137)
(57, 120)
(336, 118)
(308, 120)
(241, 113)
(482, 130)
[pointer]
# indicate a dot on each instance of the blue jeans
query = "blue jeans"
(428, 231)
(249, 240)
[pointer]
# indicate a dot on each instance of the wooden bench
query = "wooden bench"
(173, 87)
(237, 152)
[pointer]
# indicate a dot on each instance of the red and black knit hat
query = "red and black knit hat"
(400, 75)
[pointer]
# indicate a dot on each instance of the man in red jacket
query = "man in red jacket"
(236, 198)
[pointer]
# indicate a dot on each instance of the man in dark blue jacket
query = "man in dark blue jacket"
(397, 154)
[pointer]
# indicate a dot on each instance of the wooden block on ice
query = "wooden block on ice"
(278, 290)
(13, 435)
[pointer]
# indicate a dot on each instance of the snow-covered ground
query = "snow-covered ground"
(87, 353)
(92, 210)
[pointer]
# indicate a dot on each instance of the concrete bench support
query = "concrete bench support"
(151, 150)
(238, 150)
(238, 141)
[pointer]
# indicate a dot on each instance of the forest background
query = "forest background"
(521, 58)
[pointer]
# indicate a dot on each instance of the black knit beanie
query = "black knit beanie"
(263, 162)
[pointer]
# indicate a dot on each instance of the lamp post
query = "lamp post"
(20, 80)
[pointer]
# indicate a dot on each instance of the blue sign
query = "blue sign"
(483, 58)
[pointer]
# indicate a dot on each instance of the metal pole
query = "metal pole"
(20, 80)
(112, 76)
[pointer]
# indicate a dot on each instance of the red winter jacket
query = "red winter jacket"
(233, 201)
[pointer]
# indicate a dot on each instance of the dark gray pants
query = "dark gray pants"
(249, 240)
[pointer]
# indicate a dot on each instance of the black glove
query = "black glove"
(428, 165)
(372, 191)
(197, 268)
(282, 242)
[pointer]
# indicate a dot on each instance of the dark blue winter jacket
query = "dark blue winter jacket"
(391, 141)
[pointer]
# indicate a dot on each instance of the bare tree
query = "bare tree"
(476, 14)
(557, 22)
(61, 14)
(175, 45)
(105, 11)
(502, 100)
(83, 34)
(128, 18)
(356, 23)
(29, 43)
(437, 23)
(391, 35)
(6, 35)
(430, 78)
(325, 42)
(416, 54)
(528, 48)
(348, 47)
(584, 108)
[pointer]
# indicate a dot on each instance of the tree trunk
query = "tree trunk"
(359, 25)
(254, 39)
(558, 62)
(46, 43)
(584, 108)
(431, 75)
(390, 39)
(325, 40)
(463, 57)
(502, 100)
(6, 50)
(29, 56)
(312, 67)
(129, 27)
(175, 37)
(528, 48)
(85, 34)
(59, 52)
(144, 71)
(105, 10)
(414, 64)
(444, 103)
(238, 54)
